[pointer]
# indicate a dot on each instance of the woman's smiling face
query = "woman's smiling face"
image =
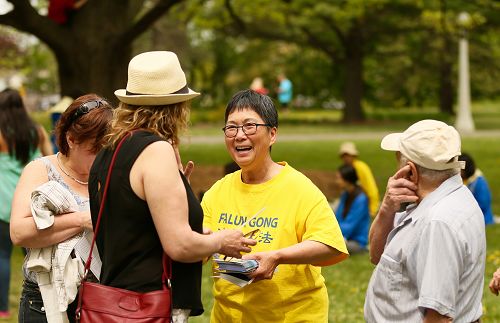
(249, 151)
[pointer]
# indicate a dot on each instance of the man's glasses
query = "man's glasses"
(248, 129)
(86, 108)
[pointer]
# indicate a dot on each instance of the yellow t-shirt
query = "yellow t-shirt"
(367, 182)
(291, 209)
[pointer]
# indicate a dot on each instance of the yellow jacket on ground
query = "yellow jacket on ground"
(367, 182)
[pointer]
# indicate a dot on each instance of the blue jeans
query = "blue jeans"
(31, 308)
(5, 253)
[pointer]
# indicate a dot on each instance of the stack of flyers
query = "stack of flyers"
(235, 270)
(238, 266)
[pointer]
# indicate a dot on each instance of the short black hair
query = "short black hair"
(348, 174)
(470, 165)
(261, 104)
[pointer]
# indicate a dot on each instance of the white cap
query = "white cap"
(348, 148)
(429, 143)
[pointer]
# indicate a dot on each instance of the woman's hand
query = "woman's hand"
(85, 220)
(233, 243)
(268, 261)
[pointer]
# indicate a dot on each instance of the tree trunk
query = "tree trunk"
(446, 93)
(353, 88)
(94, 47)
(83, 70)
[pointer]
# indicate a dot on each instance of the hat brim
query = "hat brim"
(391, 142)
(348, 152)
(152, 99)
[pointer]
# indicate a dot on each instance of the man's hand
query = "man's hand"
(495, 282)
(400, 189)
(268, 261)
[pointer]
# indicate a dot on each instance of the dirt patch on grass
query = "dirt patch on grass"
(205, 176)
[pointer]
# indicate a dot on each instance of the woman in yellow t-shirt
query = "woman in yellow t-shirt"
(297, 230)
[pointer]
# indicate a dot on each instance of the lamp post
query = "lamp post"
(464, 122)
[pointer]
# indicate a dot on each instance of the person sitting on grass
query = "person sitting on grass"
(476, 182)
(352, 211)
(349, 155)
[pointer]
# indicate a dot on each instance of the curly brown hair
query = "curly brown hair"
(166, 121)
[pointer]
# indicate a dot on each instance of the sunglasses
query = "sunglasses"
(86, 108)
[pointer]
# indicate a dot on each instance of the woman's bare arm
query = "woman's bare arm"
(23, 230)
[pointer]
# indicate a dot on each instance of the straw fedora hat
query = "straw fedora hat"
(155, 78)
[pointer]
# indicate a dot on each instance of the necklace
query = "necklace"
(67, 174)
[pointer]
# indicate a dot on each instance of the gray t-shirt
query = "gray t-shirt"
(434, 258)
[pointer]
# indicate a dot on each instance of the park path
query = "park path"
(214, 139)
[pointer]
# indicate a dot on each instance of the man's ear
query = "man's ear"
(413, 174)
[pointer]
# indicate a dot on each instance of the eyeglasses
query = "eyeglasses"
(248, 129)
(86, 108)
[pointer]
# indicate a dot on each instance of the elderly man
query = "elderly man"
(430, 256)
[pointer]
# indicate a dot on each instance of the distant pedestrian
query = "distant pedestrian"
(349, 155)
(21, 140)
(285, 91)
(258, 86)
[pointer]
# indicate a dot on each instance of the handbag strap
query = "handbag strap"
(166, 263)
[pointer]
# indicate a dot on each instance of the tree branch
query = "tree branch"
(335, 28)
(254, 30)
(240, 23)
(149, 18)
(25, 18)
(315, 42)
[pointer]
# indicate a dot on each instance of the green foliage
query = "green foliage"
(10, 51)
(40, 69)
(20, 53)
(405, 44)
(224, 44)
(43, 118)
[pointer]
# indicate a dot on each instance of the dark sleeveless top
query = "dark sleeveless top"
(127, 240)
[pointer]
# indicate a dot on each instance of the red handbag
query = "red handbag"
(100, 303)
